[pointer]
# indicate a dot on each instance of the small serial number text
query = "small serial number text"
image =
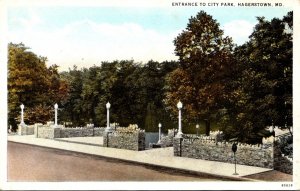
(286, 185)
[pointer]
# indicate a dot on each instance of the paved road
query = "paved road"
(32, 163)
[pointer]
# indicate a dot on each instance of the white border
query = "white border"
(137, 185)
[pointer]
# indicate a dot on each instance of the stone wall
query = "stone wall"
(99, 131)
(253, 155)
(122, 140)
(48, 132)
(130, 141)
(167, 141)
(25, 129)
(81, 132)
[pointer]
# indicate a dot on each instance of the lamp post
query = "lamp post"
(179, 106)
(234, 149)
(197, 128)
(22, 114)
(159, 132)
(55, 107)
(107, 125)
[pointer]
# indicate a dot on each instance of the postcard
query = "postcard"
(135, 95)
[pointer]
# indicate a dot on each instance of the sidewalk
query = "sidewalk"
(162, 157)
(96, 141)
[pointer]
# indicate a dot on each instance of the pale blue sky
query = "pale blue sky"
(88, 35)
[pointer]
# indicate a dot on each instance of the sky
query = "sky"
(86, 36)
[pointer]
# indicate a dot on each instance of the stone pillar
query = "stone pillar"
(22, 129)
(105, 139)
(177, 146)
(36, 129)
(56, 132)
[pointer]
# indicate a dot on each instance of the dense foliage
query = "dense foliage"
(262, 91)
(241, 88)
(206, 62)
(135, 92)
(30, 82)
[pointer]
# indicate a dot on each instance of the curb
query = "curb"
(76, 142)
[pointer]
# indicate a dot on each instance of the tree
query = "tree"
(72, 107)
(58, 87)
(145, 87)
(206, 60)
(30, 82)
(90, 94)
(263, 89)
(39, 113)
